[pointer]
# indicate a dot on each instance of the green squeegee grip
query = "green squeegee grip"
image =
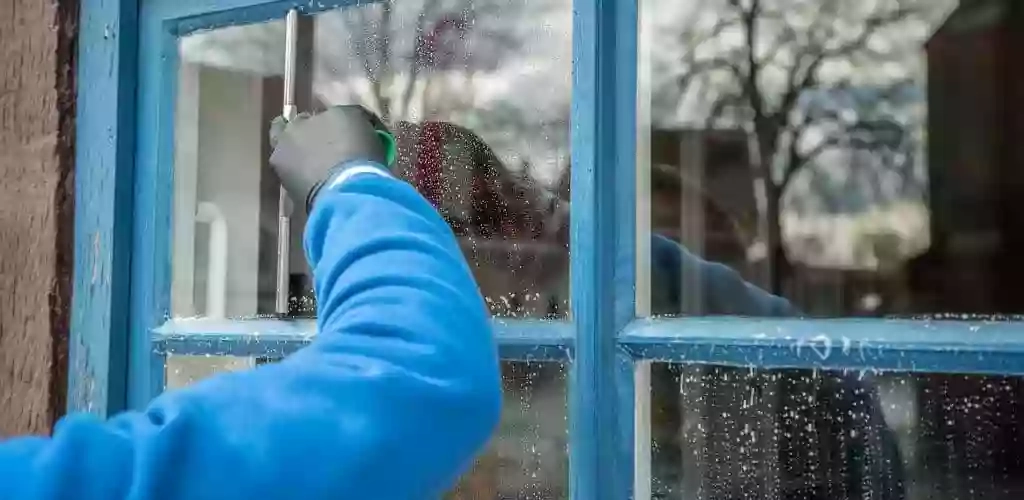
(390, 147)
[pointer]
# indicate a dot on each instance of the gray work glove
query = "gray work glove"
(309, 149)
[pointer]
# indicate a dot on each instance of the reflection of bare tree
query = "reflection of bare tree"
(786, 71)
(375, 51)
(398, 47)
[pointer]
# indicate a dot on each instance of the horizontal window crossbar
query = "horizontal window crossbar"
(194, 15)
(524, 340)
(974, 347)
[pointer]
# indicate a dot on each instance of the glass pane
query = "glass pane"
(730, 433)
(528, 455)
(222, 182)
(853, 157)
(182, 371)
(477, 93)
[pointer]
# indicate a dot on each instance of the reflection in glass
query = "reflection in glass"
(477, 92)
(223, 236)
(845, 155)
(528, 456)
(731, 433)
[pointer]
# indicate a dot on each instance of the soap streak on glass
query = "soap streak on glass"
(722, 433)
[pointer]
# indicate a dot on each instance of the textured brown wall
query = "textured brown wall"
(36, 209)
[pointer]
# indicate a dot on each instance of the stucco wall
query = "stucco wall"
(36, 209)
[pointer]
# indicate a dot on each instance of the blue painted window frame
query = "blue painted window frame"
(121, 334)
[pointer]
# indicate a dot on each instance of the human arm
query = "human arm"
(392, 399)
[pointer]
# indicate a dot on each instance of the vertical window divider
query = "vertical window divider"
(603, 140)
(104, 158)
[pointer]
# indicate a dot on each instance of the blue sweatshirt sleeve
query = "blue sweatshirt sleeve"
(392, 400)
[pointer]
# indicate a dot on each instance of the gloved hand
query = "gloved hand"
(310, 149)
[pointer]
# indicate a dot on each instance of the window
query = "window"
(792, 272)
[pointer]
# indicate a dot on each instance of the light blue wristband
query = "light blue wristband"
(350, 170)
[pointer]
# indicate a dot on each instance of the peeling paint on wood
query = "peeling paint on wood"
(105, 125)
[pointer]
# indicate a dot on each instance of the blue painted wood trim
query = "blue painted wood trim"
(625, 26)
(157, 373)
(154, 181)
(517, 339)
(625, 387)
(843, 344)
(185, 16)
(624, 133)
(105, 131)
(602, 243)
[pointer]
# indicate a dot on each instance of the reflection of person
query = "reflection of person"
(491, 209)
(722, 290)
(863, 448)
(458, 172)
(391, 400)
